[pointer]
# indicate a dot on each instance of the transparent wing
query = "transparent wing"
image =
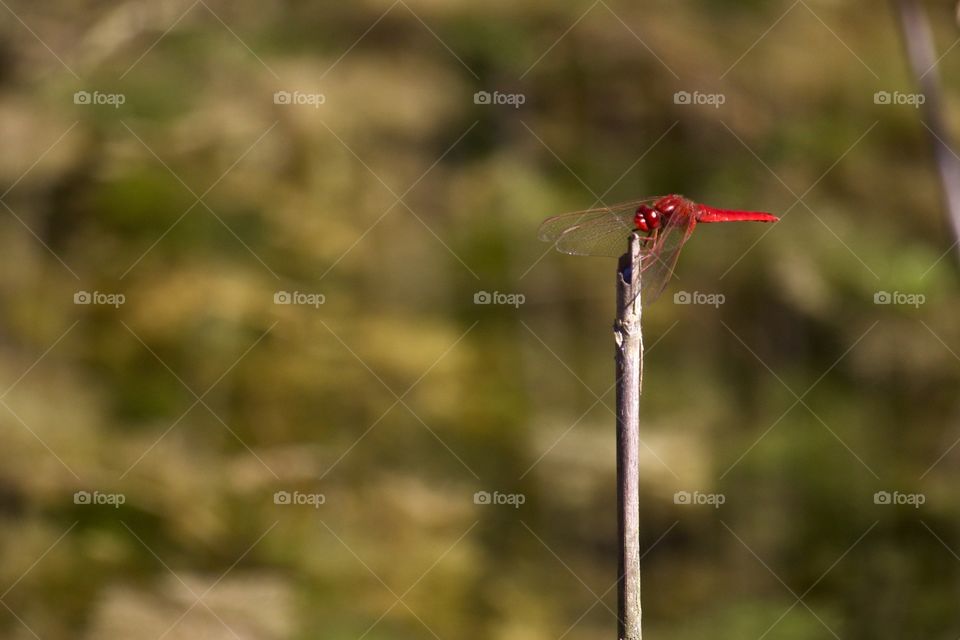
(660, 260)
(594, 232)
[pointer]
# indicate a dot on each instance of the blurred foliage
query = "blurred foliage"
(398, 199)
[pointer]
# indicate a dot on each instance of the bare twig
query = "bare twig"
(629, 357)
(921, 53)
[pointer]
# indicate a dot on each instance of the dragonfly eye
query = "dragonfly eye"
(645, 218)
(640, 222)
(653, 218)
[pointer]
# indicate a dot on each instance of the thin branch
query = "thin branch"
(629, 361)
(918, 39)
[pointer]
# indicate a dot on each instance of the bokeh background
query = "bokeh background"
(186, 456)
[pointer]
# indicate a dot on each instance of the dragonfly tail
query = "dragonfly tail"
(709, 214)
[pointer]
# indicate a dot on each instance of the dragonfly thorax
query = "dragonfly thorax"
(647, 218)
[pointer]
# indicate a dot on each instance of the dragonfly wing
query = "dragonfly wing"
(595, 232)
(660, 260)
(605, 237)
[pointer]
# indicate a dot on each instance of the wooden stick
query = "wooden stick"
(629, 357)
(918, 38)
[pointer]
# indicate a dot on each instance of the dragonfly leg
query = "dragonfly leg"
(648, 237)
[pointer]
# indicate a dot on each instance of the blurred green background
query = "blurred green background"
(186, 456)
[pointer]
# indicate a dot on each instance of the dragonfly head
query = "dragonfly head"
(647, 218)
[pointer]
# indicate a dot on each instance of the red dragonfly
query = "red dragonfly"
(663, 223)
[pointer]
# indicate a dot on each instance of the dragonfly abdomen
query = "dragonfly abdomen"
(710, 214)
